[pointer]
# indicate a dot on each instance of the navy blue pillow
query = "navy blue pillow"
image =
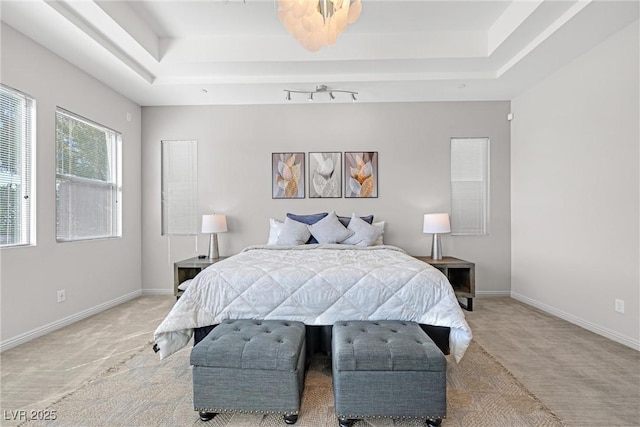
(346, 219)
(309, 220)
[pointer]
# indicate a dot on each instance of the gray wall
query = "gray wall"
(95, 274)
(575, 191)
(234, 174)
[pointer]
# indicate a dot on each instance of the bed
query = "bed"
(317, 284)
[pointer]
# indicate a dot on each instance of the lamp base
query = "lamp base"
(213, 246)
(436, 247)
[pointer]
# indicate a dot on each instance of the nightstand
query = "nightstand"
(461, 275)
(188, 269)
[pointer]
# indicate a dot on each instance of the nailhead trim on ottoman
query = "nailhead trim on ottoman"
(250, 366)
(387, 369)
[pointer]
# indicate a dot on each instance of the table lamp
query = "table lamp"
(436, 224)
(214, 224)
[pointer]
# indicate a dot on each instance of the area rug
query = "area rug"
(146, 391)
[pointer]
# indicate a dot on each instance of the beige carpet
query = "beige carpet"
(144, 391)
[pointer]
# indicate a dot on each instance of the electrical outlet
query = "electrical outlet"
(61, 296)
(619, 305)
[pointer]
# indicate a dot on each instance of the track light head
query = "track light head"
(353, 97)
(331, 96)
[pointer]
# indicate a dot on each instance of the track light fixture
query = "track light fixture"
(321, 89)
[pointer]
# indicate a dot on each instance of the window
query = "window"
(17, 142)
(179, 188)
(88, 189)
(470, 186)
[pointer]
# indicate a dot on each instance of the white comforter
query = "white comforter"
(316, 285)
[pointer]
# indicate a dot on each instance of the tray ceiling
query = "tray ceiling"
(233, 52)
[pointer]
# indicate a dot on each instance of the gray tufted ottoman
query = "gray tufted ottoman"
(387, 369)
(250, 366)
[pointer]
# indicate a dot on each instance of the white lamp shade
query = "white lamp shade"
(214, 223)
(437, 223)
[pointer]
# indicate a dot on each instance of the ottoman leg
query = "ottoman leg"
(346, 422)
(433, 422)
(290, 419)
(206, 416)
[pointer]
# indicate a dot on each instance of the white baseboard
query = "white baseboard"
(43, 330)
(493, 293)
(157, 292)
(607, 333)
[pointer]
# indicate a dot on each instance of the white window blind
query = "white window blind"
(470, 186)
(17, 142)
(180, 188)
(88, 187)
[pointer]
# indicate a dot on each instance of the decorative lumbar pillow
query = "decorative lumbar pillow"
(309, 220)
(330, 230)
(365, 234)
(293, 233)
(274, 231)
(345, 219)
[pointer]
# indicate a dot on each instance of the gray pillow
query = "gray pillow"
(345, 219)
(310, 220)
(330, 230)
(293, 233)
(365, 234)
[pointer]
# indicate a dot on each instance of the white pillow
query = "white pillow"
(380, 225)
(274, 231)
(293, 233)
(365, 234)
(330, 230)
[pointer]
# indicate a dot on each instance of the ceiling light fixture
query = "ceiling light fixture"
(320, 89)
(316, 23)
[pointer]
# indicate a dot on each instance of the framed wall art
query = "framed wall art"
(325, 175)
(361, 174)
(287, 175)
